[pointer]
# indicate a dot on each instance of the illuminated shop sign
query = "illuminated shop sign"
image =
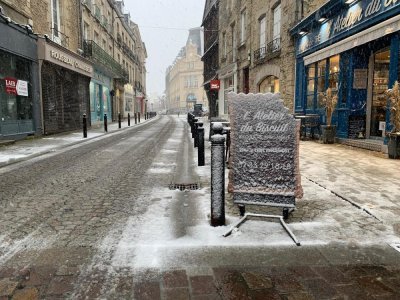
(355, 15)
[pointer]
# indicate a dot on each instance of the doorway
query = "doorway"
(379, 76)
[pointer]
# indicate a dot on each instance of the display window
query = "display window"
(269, 85)
(16, 101)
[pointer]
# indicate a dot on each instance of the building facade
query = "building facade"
(184, 79)
(353, 49)
(211, 57)
(20, 112)
(255, 48)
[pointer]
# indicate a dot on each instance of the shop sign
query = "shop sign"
(214, 85)
(16, 87)
(353, 16)
(360, 79)
(11, 85)
(265, 151)
(22, 88)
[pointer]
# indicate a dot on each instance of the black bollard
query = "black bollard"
(200, 149)
(84, 126)
(129, 119)
(194, 120)
(217, 176)
(135, 114)
(196, 134)
(139, 116)
(105, 123)
(119, 120)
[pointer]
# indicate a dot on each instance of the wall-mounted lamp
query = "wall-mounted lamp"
(322, 20)
(303, 32)
(349, 1)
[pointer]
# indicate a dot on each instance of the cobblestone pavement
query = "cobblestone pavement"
(65, 217)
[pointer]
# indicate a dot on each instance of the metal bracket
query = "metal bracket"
(264, 216)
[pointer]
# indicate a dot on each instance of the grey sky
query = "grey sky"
(163, 44)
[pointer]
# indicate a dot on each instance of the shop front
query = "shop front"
(19, 84)
(100, 98)
(228, 81)
(350, 51)
(65, 79)
(129, 104)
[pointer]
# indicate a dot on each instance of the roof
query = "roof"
(207, 8)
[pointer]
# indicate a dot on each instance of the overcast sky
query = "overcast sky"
(154, 17)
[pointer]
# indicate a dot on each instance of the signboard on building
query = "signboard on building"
(360, 79)
(214, 85)
(16, 87)
(265, 151)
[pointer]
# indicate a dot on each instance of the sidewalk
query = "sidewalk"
(36, 146)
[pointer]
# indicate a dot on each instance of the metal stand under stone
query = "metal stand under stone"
(264, 216)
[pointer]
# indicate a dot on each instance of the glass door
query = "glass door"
(380, 85)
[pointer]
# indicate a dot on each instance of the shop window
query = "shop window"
(269, 85)
(16, 106)
(334, 74)
(310, 86)
(321, 82)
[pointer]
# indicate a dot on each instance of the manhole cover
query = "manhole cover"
(396, 246)
(184, 186)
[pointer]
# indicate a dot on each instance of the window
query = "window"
(269, 85)
(276, 35)
(321, 81)
(262, 26)
(243, 27)
(310, 86)
(55, 19)
(96, 37)
(104, 44)
(86, 31)
(233, 43)
(224, 44)
(334, 74)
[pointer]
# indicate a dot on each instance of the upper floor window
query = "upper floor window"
(233, 43)
(55, 17)
(224, 52)
(86, 31)
(96, 37)
(262, 31)
(243, 26)
(276, 35)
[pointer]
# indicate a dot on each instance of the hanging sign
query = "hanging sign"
(11, 85)
(265, 151)
(214, 85)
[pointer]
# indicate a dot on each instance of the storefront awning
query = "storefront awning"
(373, 33)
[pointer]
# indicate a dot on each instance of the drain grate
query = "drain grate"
(396, 246)
(184, 186)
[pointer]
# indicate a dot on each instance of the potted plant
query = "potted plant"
(328, 131)
(394, 135)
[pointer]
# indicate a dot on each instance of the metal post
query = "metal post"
(196, 133)
(200, 149)
(217, 176)
(194, 120)
(139, 116)
(105, 123)
(119, 120)
(129, 119)
(135, 117)
(84, 126)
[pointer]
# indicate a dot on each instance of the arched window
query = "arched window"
(191, 98)
(269, 85)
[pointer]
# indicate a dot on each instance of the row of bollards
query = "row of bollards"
(105, 121)
(218, 158)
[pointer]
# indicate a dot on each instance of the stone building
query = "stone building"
(20, 110)
(184, 80)
(210, 56)
(112, 42)
(256, 50)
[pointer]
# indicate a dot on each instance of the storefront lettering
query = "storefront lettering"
(344, 22)
(390, 2)
(373, 8)
(70, 61)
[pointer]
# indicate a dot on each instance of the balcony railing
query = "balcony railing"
(88, 4)
(60, 38)
(95, 53)
(96, 12)
(272, 50)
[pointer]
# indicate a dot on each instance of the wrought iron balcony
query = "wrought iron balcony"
(273, 49)
(60, 38)
(96, 54)
(88, 4)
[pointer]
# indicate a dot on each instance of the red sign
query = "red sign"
(214, 85)
(11, 85)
